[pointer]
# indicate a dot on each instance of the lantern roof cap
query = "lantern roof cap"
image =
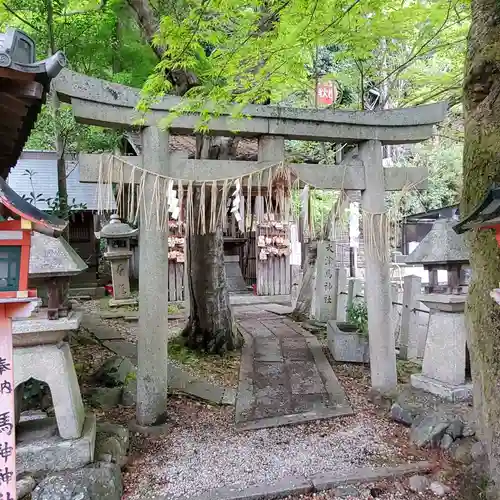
(53, 257)
(442, 245)
(115, 228)
(486, 213)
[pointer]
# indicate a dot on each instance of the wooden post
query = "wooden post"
(408, 339)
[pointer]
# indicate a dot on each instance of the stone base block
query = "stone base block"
(54, 365)
(122, 302)
(39, 447)
(453, 393)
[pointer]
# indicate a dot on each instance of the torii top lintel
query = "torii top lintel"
(98, 102)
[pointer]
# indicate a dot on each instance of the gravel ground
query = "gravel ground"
(202, 451)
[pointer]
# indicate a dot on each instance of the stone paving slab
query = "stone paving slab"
(278, 309)
(101, 331)
(285, 377)
(301, 485)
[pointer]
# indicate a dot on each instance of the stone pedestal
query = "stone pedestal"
(36, 357)
(119, 262)
(443, 368)
(40, 448)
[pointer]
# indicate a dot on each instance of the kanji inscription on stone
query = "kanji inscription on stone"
(324, 300)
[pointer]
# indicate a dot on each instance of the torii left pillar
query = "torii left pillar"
(9, 308)
(152, 341)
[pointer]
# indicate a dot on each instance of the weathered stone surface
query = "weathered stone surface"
(440, 490)
(461, 450)
(112, 442)
(428, 431)
(284, 377)
(404, 414)
(478, 452)
(441, 244)
(32, 415)
(25, 486)
(39, 448)
(100, 481)
(54, 257)
(446, 442)
(106, 397)
(53, 364)
(129, 395)
(347, 491)
(468, 430)
(114, 371)
(455, 429)
(419, 484)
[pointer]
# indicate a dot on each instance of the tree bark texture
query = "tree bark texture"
(149, 23)
(210, 327)
(481, 169)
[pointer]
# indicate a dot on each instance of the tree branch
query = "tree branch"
(101, 6)
(15, 14)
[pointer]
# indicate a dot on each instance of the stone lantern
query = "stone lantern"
(445, 356)
(118, 235)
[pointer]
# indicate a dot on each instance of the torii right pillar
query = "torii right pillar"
(377, 272)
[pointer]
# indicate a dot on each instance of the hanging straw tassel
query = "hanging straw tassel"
(213, 208)
(259, 195)
(119, 190)
(180, 195)
(270, 178)
(223, 205)
(248, 217)
(133, 201)
(153, 203)
(100, 185)
(164, 205)
(189, 207)
(131, 195)
(140, 195)
(110, 197)
(201, 211)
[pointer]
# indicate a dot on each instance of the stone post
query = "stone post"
(354, 292)
(153, 295)
(326, 282)
(342, 294)
(408, 338)
(377, 275)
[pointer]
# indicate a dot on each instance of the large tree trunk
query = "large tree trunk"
(481, 169)
(210, 327)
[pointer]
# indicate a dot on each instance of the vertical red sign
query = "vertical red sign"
(326, 93)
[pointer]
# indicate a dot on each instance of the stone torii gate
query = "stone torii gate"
(97, 102)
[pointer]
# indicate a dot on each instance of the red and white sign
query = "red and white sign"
(326, 93)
